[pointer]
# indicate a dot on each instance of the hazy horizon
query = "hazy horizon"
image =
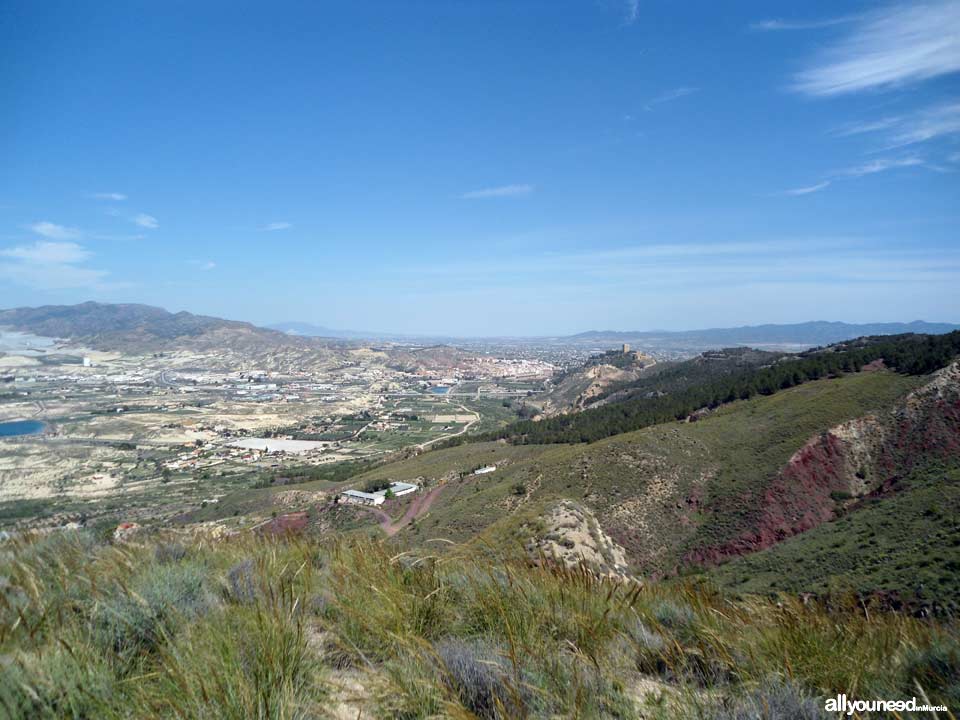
(624, 330)
(373, 333)
(494, 169)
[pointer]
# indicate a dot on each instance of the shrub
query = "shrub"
(646, 638)
(378, 602)
(170, 552)
(673, 615)
(936, 669)
(106, 631)
(67, 681)
(773, 699)
(649, 649)
(240, 583)
(244, 662)
(136, 620)
(474, 672)
(373, 486)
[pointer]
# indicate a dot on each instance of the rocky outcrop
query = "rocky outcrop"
(581, 389)
(571, 534)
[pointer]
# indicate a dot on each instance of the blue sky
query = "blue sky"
(484, 167)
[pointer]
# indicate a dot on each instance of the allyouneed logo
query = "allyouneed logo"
(843, 704)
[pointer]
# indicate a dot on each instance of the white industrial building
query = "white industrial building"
(359, 497)
(402, 488)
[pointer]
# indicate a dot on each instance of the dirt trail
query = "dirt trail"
(420, 506)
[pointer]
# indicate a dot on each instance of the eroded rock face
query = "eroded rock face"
(944, 385)
(860, 457)
(580, 390)
(571, 534)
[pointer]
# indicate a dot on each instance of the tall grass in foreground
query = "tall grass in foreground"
(265, 629)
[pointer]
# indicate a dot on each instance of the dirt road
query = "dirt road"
(420, 506)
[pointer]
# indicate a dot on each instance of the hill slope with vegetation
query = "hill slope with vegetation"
(298, 629)
(739, 563)
(901, 548)
(910, 354)
(680, 496)
(662, 492)
(688, 496)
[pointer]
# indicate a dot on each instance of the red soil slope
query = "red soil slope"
(861, 457)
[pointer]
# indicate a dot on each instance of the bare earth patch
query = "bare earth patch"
(572, 535)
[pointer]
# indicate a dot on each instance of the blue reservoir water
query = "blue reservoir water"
(439, 390)
(20, 427)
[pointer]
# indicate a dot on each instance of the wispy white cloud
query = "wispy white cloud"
(882, 165)
(807, 190)
(930, 123)
(670, 96)
(54, 231)
(776, 24)
(867, 126)
(109, 196)
(872, 167)
(49, 265)
(633, 11)
(896, 46)
(44, 251)
(270, 227)
(642, 254)
(140, 219)
(55, 277)
(502, 191)
(146, 221)
(897, 131)
(819, 259)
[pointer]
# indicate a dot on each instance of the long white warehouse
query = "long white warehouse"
(359, 497)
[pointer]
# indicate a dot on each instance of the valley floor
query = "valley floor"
(706, 496)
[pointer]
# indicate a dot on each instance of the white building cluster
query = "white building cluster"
(358, 497)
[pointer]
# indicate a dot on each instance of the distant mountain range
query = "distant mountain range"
(807, 334)
(142, 327)
(138, 327)
(818, 332)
